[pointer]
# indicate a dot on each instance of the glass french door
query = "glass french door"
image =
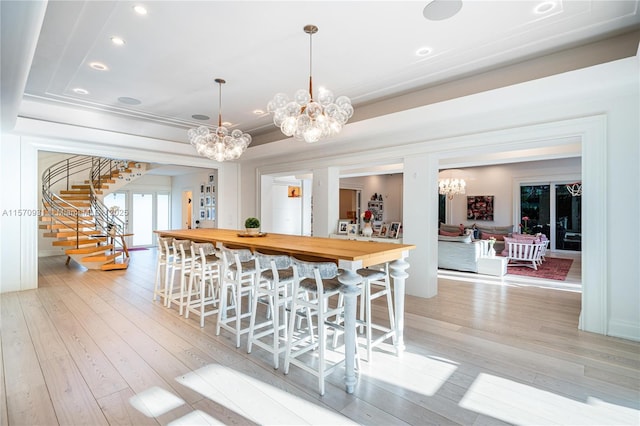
(552, 210)
(142, 219)
(143, 213)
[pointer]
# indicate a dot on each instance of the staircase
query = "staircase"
(76, 217)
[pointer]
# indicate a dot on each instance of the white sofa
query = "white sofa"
(460, 253)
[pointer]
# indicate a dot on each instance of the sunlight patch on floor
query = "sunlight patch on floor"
(155, 401)
(511, 281)
(416, 373)
(195, 418)
(522, 404)
(256, 400)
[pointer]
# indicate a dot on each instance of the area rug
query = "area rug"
(551, 269)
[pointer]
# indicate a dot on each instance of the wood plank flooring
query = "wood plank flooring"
(91, 348)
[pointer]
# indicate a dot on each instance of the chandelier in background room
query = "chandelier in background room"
(219, 145)
(305, 117)
(450, 184)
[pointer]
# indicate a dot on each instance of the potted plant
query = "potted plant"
(252, 225)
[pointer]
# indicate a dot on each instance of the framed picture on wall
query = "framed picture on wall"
(480, 207)
(212, 178)
(294, 191)
(202, 188)
(202, 214)
(342, 226)
(394, 230)
(207, 189)
(207, 200)
(201, 201)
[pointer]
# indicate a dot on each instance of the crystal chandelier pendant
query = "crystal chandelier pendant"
(219, 145)
(306, 118)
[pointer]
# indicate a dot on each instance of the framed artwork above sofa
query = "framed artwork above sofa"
(480, 207)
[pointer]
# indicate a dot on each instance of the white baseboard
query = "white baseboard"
(624, 329)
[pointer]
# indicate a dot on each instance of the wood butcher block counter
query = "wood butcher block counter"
(350, 255)
(342, 251)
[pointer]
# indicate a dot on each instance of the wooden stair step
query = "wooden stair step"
(74, 203)
(101, 182)
(89, 250)
(74, 191)
(101, 257)
(124, 264)
(80, 242)
(81, 186)
(53, 226)
(68, 197)
(72, 233)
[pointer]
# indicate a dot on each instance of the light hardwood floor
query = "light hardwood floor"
(91, 348)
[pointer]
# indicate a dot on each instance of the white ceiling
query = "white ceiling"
(365, 50)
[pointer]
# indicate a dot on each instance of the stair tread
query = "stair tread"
(124, 264)
(101, 258)
(70, 233)
(89, 250)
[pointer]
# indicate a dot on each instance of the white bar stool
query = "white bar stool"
(163, 262)
(274, 277)
(182, 261)
(204, 282)
(375, 284)
(313, 285)
(238, 278)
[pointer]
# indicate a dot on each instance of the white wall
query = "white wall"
(192, 182)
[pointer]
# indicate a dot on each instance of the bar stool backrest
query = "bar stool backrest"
(306, 269)
(281, 261)
(181, 249)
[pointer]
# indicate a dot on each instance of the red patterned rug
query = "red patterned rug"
(551, 269)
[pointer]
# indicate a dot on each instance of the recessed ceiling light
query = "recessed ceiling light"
(227, 124)
(438, 10)
(545, 7)
(80, 91)
(258, 111)
(424, 51)
(117, 41)
(129, 101)
(200, 117)
(98, 66)
(140, 10)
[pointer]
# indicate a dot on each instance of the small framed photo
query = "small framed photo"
(352, 229)
(207, 200)
(294, 191)
(342, 226)
(202, 188)
(212, 213)
(212, 179)
(207, 189)
(202, 214)
(202, 202)
(377, 226)
(394, 230)
(384, 230)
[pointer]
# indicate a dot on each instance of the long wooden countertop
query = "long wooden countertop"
(367, 252)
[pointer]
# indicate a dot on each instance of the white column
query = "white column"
(326, 201)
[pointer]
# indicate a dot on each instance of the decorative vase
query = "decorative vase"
(491, 252)
(367, 231)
